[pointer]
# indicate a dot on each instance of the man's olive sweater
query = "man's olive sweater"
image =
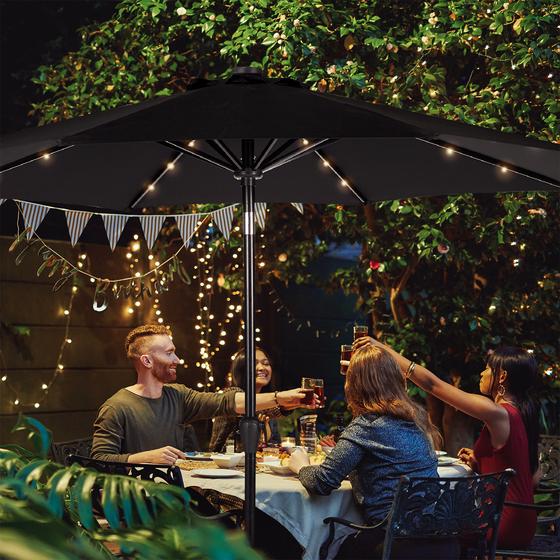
(128, 423)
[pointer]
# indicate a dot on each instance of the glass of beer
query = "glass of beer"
(345, 354)
(313, 386)
(359, 331)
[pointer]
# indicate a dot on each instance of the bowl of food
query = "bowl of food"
(225, 461)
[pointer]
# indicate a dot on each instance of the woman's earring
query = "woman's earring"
(501, 390)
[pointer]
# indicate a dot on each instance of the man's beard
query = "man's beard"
(164, 374)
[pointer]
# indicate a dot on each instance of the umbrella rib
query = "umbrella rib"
(322, 156)
(222, 149)
(277, 152)
(45, 154)
(152, 185)
(270, 144)
(297, 153)
(197, 154)
(492, 161)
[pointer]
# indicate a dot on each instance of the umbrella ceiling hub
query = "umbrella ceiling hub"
(248, 173)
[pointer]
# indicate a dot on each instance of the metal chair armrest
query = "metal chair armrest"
(235, 513)
(323, 551)
(347, 523)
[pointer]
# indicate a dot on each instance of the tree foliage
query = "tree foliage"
(445, 278)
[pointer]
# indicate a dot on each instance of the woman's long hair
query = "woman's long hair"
(375, 383)
(521, 368)
(238, 371)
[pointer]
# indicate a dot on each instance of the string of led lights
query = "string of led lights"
(17, 399)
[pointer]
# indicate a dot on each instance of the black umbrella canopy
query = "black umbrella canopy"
(283, 143)
(373, 152)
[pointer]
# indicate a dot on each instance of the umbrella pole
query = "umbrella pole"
(249, 424)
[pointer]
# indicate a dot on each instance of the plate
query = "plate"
(447, 461)
(215, 473)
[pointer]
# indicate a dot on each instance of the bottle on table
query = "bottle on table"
(263, 440)
(230, 444)
(339, 426)
(238, 444)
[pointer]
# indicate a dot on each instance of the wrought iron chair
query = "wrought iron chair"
(170, 474)
(210, 504)
(156, 473)
(436, 517)
(546, 543)
(60, 451)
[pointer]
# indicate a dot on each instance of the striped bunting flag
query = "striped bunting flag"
(76, 221)
(260, 213)
(114, 225)
(186, 224)
(223, 219)
(151, 226)
(33, 215)
(298, 206)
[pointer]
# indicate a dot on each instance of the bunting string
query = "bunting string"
(77, 220)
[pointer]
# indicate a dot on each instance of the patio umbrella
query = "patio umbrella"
(296, 145)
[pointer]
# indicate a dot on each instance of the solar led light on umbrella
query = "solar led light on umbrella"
(294, 144)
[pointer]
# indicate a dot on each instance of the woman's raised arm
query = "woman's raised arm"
(477, 406)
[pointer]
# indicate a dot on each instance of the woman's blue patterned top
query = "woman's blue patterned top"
(374, 452)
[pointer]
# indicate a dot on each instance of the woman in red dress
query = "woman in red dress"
(510, 433)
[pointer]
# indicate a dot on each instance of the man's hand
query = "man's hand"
(292, 399)
(164, 456)
(298, 459)
(467, 456)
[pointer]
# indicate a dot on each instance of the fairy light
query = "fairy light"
(45, 386)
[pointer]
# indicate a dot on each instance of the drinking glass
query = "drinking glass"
(345, 354)
(313, 386)
(360, 330)
(308, 432)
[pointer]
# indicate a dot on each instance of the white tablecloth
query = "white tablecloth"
(286, 500)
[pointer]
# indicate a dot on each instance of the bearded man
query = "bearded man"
(145, 423)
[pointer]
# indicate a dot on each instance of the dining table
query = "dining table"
(285, 499)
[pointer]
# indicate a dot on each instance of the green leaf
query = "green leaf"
(83, 490)
(109, 501)
(138, 496)
(37, 434)
(58, 484)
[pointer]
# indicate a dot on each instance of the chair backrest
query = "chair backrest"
(166, 473)
(62, 449)
(549, 458)
(433, 508)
